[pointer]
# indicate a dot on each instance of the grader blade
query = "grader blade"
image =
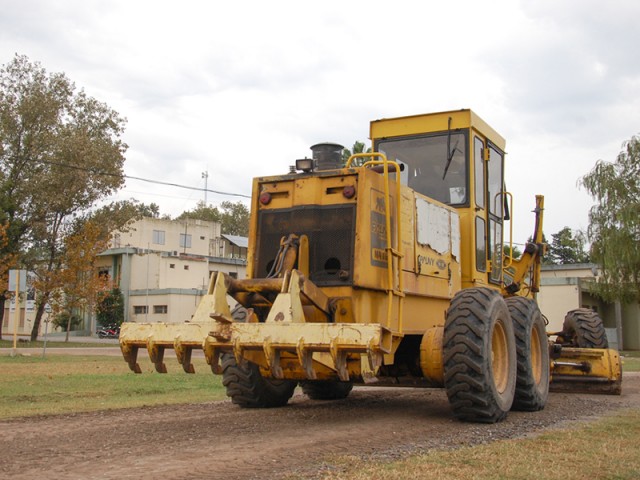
(586, 370)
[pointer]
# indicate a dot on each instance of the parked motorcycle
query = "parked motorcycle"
(109, 331)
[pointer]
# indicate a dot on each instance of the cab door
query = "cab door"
(489, 208)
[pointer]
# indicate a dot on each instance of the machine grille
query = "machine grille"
(330, 230)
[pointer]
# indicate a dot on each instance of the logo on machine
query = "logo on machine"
(425, 261)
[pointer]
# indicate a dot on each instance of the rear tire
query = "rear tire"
(479, 356)
(245, 385)
(249, 389)
(532, 382)
(583, 328)
(326, 390)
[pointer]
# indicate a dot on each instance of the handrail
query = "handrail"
(392, 253)
(510, 256)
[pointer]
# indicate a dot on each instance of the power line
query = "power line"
(148, 180)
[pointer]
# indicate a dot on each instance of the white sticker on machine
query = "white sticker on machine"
(438, 228)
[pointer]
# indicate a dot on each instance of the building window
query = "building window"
(139, 309)
(201, 237)
(186, 267)
(233, 274)
(172, 265)
(158, 237)
(159, 309)
(185, 240)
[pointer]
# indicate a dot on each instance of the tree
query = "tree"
(60, 152)
(7, 261)
(516, 253)
(75, 285)
(358, 147)
(233, 217)
(614, 223)
(567, 247)
(152, 210)
(207, 213)
(110, 308)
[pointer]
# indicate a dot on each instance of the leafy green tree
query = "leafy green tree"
(232, 216)
(207, 213)
(614, 223)
(66, 321)
(110, 308)
(152, 210)
(60, 153)
(358, 147)
(567, 247)
(517, 253)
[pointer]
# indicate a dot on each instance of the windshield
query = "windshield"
(434, 165)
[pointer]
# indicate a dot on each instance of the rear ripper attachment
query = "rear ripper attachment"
(283, 346)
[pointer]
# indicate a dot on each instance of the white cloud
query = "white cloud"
(243, 88)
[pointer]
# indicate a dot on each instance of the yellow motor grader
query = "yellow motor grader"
(389, 270)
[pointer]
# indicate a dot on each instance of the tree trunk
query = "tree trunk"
(66, 338)
(2, 303)
(36, 323)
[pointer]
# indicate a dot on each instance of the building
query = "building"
(566, 287)
(162, 268)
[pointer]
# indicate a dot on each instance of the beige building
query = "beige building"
(163, 266)
(566, 287)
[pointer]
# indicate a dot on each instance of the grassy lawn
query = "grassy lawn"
(631, 361)
(30, 385)
(605, 449)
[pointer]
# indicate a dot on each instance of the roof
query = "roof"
(238, 241)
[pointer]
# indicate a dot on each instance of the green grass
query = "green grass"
(631, 365)
(631, 361)
(30, 385)
(605, 449)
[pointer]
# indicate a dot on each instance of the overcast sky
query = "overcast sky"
(240, 89)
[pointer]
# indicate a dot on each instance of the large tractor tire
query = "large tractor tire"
(532, 351)
(249, 389)
(326, 390)
(583, 328)
(245, 385)
(479, 356)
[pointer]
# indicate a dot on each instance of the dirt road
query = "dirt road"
(219, 440)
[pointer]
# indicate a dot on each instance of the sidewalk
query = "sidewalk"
(60, 337)
(25, 348)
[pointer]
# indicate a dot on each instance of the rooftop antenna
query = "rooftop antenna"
(205, 175)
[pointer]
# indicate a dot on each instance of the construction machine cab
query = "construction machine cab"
(457, 159)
